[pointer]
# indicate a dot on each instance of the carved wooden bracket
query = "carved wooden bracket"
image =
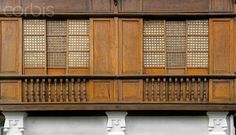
(116, 2)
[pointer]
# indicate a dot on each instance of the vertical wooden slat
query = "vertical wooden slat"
(49, 90)
(31, 90)
(37, 90)
(25, 94)
(55, 91)
(43, 90)
(72, 89)
(61, 91)
(67, 90)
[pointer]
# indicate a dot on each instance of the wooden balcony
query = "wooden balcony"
(124, 92)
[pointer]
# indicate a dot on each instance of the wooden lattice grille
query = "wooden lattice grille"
(154, 51)
(197, 43)
(56, 43)
(78, 43)
(176, 43)
(34, 43)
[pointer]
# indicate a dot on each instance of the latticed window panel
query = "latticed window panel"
(154, 59)
(34, 59)
(176, 60)
(154, 27)
(175, 44)
(176, 28)
(56, 60)
(197, 59)
(56, 44)
(78, 27)
(34, 43)
(78, 43)
(56, 28)
(78, 59)
(154, 44)
(197, 43)
(34, 27)
(197, 27)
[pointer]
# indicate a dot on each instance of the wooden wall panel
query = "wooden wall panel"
(9, 5)
(130, 46)
(221, 91)
(103, 47)
(164, 6)
(10, 91)
(131, 90)
(102, 5)
(221, 46)
(101, 91)
(221, 6)
(10, 46)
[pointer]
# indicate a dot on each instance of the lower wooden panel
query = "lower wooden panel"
(131, 90)
(34, 71)
(10, 91)
(78, 71)
(101, 91)
(56, 71)
(221, 91)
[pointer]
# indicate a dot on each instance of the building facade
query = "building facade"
(118, 67)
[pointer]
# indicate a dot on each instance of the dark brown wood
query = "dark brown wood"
(221, 6)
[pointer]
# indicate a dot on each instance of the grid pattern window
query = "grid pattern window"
(78, 41)
(154, 49)
(176, 43)
(197, 43)
(34, 43)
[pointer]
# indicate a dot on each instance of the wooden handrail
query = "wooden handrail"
(135, 76)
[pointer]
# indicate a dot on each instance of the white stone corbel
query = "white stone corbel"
(14, 123)
(218, 124)
(116, 123)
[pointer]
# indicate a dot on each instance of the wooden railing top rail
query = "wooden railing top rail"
(135, 76)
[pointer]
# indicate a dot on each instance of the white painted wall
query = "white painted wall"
(136, 125)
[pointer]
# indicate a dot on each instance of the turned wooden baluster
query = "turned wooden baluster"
(164, 90)
(176, 89)
(146, 89)
(84, 90)
(78, 97)
(181, 89)
(192, 96)
(31, 90)
(37, 91)
(205, 90)
(55, 99)
(49, 90)
(153, 86)
(158, 89)
(67, 90)
(170, 89)
(61, 91)
(43, 90)
(199, 97)
(187, 89)
(72, 89)
(25, 97)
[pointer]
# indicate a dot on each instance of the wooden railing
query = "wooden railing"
(176, 89)
(154, 88)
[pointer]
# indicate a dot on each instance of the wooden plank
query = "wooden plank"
(11, 46)
(103, 54)
(221, 46)
(130, 46)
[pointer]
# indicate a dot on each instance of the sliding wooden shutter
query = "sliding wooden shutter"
(11, 58)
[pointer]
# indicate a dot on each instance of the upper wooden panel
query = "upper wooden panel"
(10, 46)
(130, 44)
(103, 49)
(69, 5)
(9, 4)
(164, 6)
(221, 5)
(221, 46)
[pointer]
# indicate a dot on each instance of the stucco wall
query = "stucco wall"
(136, 125)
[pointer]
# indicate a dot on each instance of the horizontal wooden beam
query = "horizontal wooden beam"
(128, 107)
